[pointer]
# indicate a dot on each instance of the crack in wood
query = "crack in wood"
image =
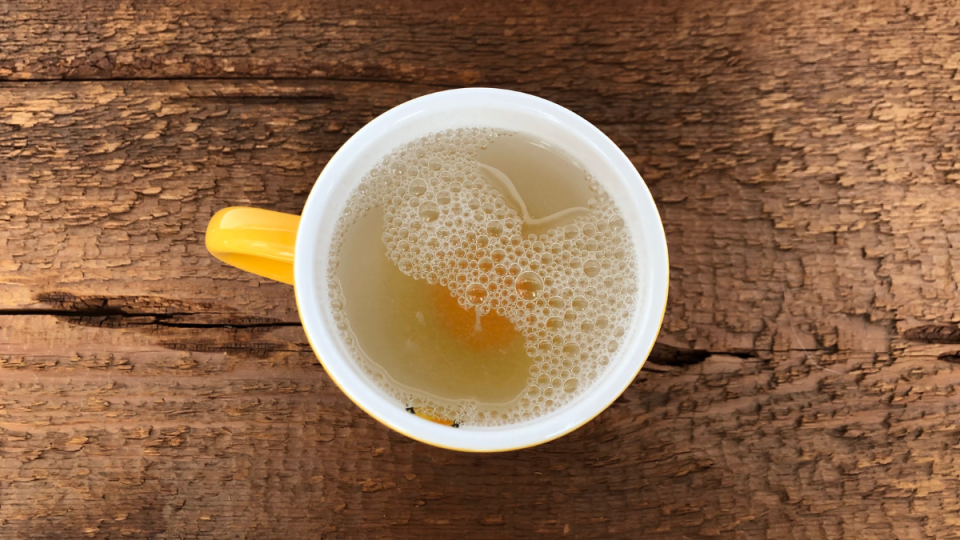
(193, 326)
(668, 355)
(141, 311)
(255, 348)
(86, 318)
(934, 333)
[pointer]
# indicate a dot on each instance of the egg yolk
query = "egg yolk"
(490, 332)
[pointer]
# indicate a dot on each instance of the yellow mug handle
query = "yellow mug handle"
(255, 240)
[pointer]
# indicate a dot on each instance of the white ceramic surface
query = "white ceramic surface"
(480, 107)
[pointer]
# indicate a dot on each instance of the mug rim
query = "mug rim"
(480, 439)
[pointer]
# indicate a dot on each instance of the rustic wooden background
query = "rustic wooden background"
(806, 160)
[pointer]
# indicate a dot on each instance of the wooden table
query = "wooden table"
(805, 157)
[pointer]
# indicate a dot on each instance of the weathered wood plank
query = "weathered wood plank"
(805, 161)
(442, 42)
(112, 184)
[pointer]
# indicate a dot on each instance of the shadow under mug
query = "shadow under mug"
(295, 250)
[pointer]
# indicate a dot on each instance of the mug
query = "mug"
(295, 250)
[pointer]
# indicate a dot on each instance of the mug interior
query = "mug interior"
(480, 107)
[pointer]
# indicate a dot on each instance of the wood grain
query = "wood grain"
(805, 161)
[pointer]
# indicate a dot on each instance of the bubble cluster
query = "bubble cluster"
(570, 291)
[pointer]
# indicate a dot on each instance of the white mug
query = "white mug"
(296, 250)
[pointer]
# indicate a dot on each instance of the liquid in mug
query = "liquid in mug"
(481, 276)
